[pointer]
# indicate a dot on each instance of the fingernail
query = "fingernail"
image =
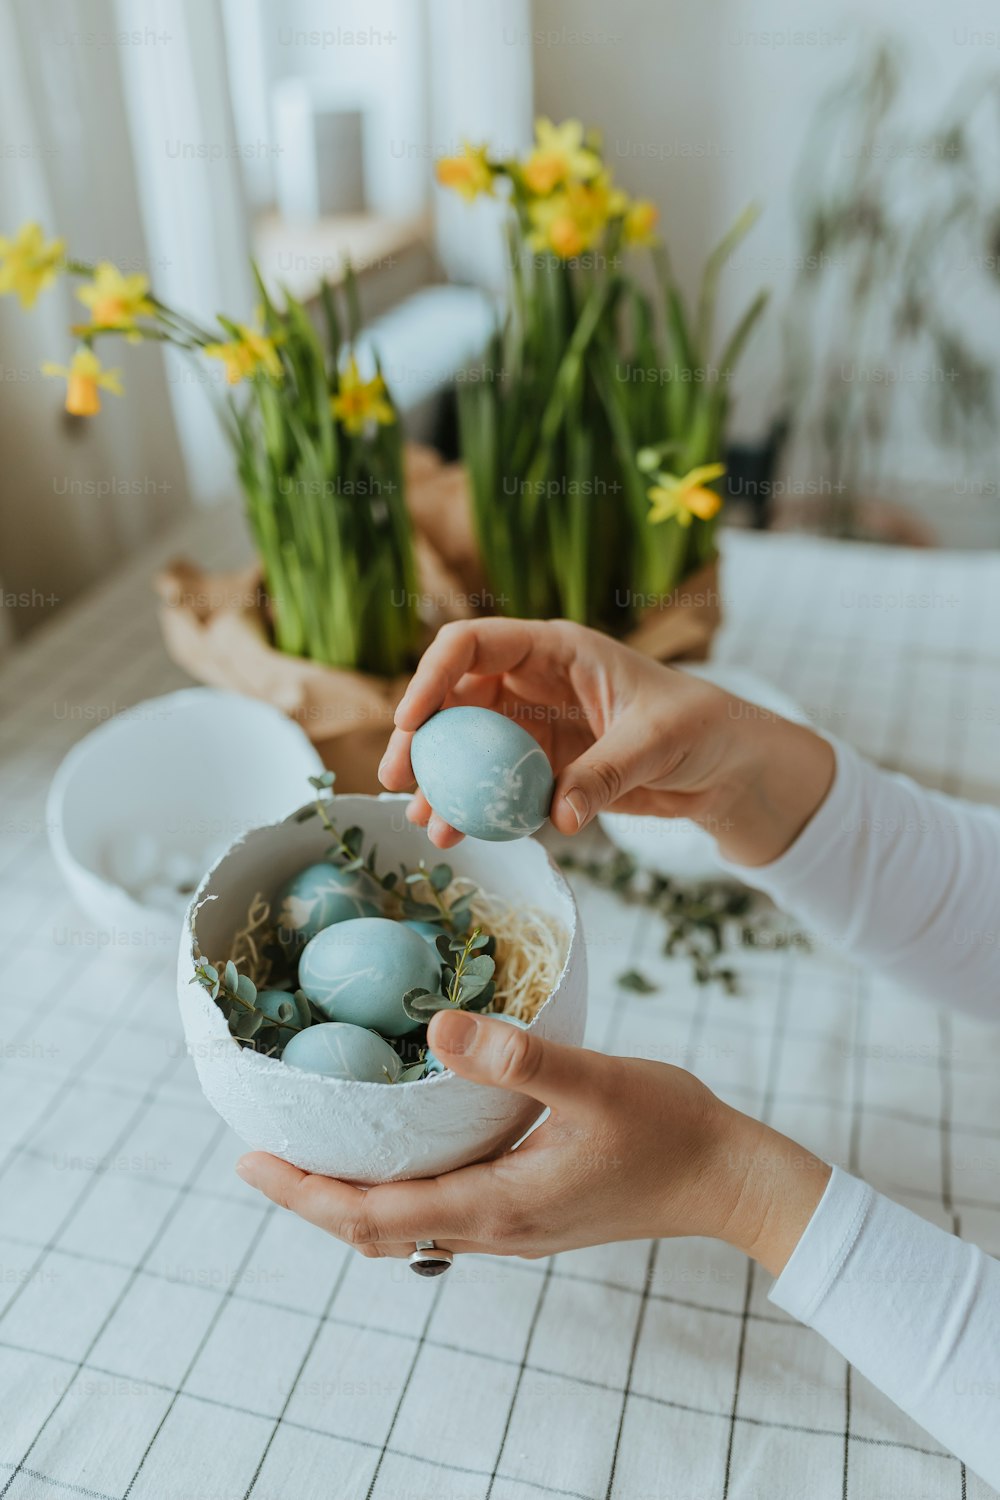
(244, 1170)
(577, 803)
(381, 768)
(456, 1032)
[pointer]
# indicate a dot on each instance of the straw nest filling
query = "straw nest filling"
(531, 947)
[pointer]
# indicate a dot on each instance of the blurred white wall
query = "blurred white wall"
(365, 54)
(704, 107)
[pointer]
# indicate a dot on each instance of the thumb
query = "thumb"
(617, 762)
(487, 1050)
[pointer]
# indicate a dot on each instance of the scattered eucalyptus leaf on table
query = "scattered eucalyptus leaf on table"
(636, 982)
(703, 920)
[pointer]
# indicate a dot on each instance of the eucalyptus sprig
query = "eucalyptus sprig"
(256, 1018)
(346, 849)
(467, 982)
(454, 915)
(347, 852)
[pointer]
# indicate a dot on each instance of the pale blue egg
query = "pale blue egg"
(359, 971)
(434, 1064)
(280, 1006)
(482, 773)
(318, 896)
(338, 1050)
(429, 931)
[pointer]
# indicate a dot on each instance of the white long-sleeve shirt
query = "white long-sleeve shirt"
(907, 881)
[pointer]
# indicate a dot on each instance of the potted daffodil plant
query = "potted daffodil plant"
(318, 448)
(594, 436)
(591, 435)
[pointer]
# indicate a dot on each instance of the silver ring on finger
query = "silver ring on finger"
(428, 1260)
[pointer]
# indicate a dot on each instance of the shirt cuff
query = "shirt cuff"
(827, 1241)
(829, 825)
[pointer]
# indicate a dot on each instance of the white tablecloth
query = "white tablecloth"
(166, 1333)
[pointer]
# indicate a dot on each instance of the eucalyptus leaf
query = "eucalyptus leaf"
(471, 986)
(246, 990)
(412, 1073)
(482, 1000)
(420, 1005)
(420, 911)
(636, 982)
(303, 1014)
(440, 877)
(231, 975)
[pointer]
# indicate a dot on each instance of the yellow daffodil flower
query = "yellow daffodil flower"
(559, 156)
(468, 174)
(243, 356)
(359, 402)
(683, 499)
(116, 301)
(640, 222)
(85, 378)
(572, 221)
(28, 264)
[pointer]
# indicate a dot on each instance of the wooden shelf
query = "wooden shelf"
(300, 256)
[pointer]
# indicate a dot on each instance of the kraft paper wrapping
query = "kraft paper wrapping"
(215, 625)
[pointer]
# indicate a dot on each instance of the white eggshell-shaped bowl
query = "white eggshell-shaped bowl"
(365, 1132)
(153, 774)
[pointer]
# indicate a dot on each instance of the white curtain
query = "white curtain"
(192, 203)
(93, 96)
(74, 498)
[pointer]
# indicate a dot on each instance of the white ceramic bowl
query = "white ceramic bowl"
(676, 848)
(365, 1132)
(193, 769)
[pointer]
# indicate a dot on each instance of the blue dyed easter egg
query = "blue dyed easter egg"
(482, 773)
(433, 1064)
(338, 1050)
(318, 896)
(359, 971)
(280, 1006)
(429, 931)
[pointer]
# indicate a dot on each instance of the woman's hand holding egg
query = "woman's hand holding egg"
(630, 1150)
(621, 731)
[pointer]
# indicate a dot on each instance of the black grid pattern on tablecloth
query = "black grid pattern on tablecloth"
(223, 1349)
